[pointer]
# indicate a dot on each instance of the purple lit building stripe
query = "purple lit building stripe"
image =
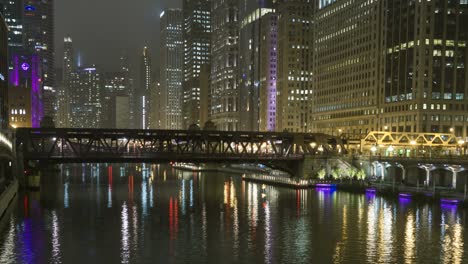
(14, 76)
(37, 108)
(271, 81)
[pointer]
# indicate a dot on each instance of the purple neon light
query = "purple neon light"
(25, 66)
(271, 84)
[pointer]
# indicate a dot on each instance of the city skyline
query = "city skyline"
(100, 39)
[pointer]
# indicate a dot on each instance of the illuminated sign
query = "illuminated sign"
(30, 8)
(25, 66)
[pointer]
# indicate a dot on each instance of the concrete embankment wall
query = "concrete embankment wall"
(7, 197)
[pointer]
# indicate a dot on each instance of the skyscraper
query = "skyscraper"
(63, 101)
(347, 57)
(295, 61)
(38, 25)
(197, 52)
(251, 30)
(171, 71)
(142, 92)
(426, 74)
(3, 73)
(13, 14)
(224, 62)
(85, 98)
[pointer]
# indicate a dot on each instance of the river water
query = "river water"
(155, 214)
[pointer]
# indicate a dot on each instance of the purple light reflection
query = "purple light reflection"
(405, 195)
(325, 185)
(449, 201)
(404, 200)
(449, 207)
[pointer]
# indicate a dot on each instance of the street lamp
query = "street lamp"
(385, 128)
(452, 130)
(390, 150)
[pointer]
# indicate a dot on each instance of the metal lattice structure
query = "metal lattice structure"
(105, 145)
(381, 138)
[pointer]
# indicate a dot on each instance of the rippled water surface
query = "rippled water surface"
(155, 214)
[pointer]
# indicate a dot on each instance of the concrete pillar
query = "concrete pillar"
(403, 175)
(374, 169)
(455, 169)
(383, 171)
(428, 176)
(454, 179)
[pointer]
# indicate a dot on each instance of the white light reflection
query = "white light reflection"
(125, 248)
(372, 213)
(182, 197)
(410, 239)
(8, 247)
(83, 173)
(66, 201)
(268, 237)
(109, 196)
(56, 258)
(151, 195)
(191, 193)
(144, 196)
(452, 238)
(385, 246)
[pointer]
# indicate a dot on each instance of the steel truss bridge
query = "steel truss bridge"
(111, 145)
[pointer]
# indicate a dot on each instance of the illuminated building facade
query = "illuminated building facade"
(224, 63)
(268, 72)
(142, 93)
(26, 72)
(426, 84)
(19, 101)
(85, 98)
(250, 64)
(3, 73)
(13, 14)
(38, 30)
(347, 73)
(171, 71)
(68, 67)
(197, 53)
(295, 63)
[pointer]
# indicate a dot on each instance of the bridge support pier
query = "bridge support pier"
(455, 169)
(403, 171)
(428, 168)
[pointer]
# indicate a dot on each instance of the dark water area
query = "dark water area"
(156, 214)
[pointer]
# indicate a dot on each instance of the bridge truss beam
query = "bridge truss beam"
(104, 145)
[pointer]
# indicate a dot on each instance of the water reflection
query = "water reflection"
(410, 239)
(125, 235)
(213, 217)
(56, 251)
(451, 236)
(8, 247)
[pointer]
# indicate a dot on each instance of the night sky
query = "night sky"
(104, 29)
